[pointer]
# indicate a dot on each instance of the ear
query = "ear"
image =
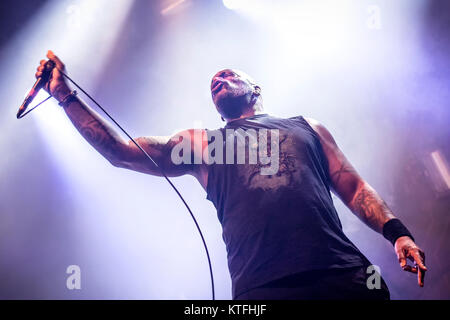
(257, 90)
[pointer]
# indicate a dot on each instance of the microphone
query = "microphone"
(39, 84)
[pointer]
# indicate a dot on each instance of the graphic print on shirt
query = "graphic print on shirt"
(286, 174)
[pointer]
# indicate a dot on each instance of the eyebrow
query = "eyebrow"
(227, 72)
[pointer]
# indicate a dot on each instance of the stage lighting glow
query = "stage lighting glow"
(171, 7)
(76, 43)
(304, 30)
(441, 168)
(233, 4)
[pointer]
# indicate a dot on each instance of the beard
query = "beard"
(232, 105)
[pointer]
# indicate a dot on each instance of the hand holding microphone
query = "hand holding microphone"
(56, 84)
(49, 78)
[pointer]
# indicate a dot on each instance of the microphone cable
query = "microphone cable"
(154, 163)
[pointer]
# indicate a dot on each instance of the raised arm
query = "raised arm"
(365, 202)
(119, 151)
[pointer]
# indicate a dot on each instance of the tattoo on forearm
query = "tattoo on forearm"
(94, 130)
(58, 91)
(99, 136)
(371, 208)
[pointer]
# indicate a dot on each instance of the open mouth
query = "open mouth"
(217, 87)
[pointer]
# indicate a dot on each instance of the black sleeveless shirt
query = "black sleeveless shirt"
(278, 224)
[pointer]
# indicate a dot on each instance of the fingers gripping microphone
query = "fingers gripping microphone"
(39, 84)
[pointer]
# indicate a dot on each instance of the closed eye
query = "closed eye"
(225, 74)
(230, 74)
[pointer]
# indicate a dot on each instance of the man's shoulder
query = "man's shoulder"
(314, 124)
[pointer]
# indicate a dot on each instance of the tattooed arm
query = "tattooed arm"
(120, 152)
(356, 193)
(125, 154)
(364, 201)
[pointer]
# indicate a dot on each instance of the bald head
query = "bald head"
(235, 93)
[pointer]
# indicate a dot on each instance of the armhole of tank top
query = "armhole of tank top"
(324, 160)
(210, 170)
(209, 181)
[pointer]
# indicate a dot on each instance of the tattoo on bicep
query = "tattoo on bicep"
(158, 151)
(336, 175)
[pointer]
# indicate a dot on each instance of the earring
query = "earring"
(257, 91)
(222, 119)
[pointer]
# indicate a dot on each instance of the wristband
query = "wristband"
(68, 98)
(394, 229)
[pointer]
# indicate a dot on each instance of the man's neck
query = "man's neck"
(256, 109)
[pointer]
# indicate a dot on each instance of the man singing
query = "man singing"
(283, 235)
